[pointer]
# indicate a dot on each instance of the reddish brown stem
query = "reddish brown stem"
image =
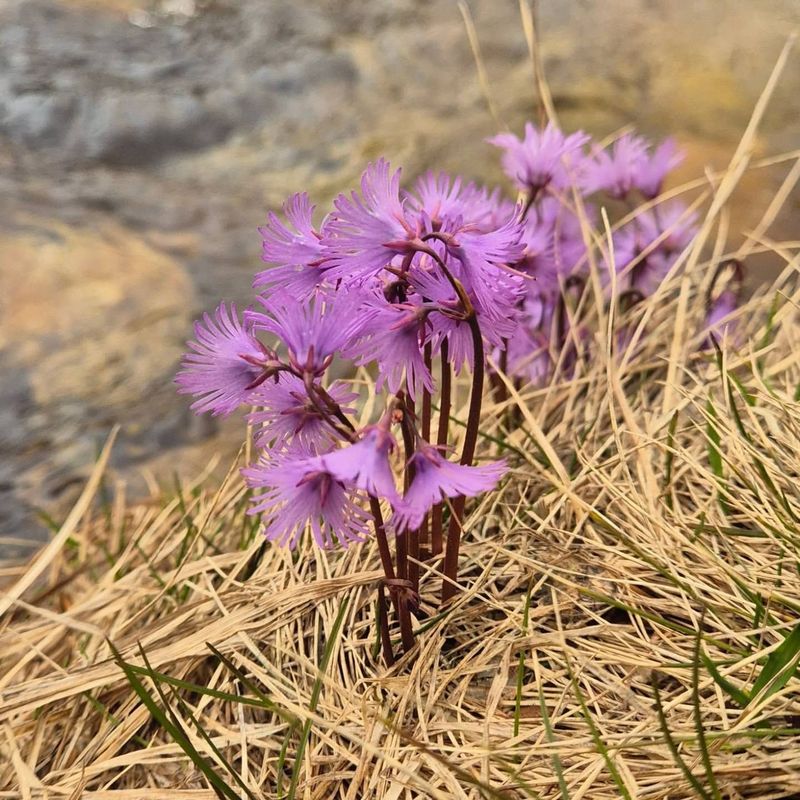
(388, 571)
(498, 386)
(418, 539)
(467, 454)
(407, 427)
(441, 439)
(426, 398)
(331, 411)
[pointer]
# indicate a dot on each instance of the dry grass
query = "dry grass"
(648, 532)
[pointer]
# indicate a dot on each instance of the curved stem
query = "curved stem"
(331, 411)
(467, 454)
(461, 293)
(441, 440)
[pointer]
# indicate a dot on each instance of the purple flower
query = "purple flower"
(225, 364)
(365, 464)
(554, 245)
(444, 322)
(287, 414)
(483, 256)
(393, 336)
(299, 491)
(312, 331)
(436, 478)
(655, 168)
(528, 354)
(441, 197)
(651, 242)
(294, 249)
(541, 158)
(365, 232)
(445, 202)
(723, 299)
(722, 307)
(630, 166)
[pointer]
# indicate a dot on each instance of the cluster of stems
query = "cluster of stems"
(425, 543)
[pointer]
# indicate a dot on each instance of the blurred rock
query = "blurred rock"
(141, 142)
(91, 323)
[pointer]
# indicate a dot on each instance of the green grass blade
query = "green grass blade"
(208, 692)
(714, 442)
(669, 459)
(548, 729)
(315, 694)
(521, 663)
(265, 701)
(779, 668)
(741, 698)
(597, 739)
(200, 730)
(176, 732)
(673, 747)
(697, 714)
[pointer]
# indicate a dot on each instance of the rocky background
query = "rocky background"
(141, 142)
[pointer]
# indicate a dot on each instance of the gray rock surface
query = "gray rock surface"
(141, 142)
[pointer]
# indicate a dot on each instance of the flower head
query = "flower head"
(365, 464)
(313, 330)
(445, 322)
(441, 197)
(225, 363)
(630, 165)
(393, 336)
(297, 492)
(657, 166)
(483, 258)
(286, 413)
(436, 478)
(295, 249)
(651, 243)
(541, 158)
(366, 231)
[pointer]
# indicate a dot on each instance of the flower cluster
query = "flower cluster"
(417, 285)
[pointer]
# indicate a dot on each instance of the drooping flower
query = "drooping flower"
(312, 330)
(528, 355)
(651, 243)
(445, 322)
(366, 231)
(298, 491)
(393, 336)
(436, 478)
(630, 165)
(483, 256)
(657, 166)
(294, 249)
(287, 414)
(225, 363)
(365, 464)
(541, 158)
